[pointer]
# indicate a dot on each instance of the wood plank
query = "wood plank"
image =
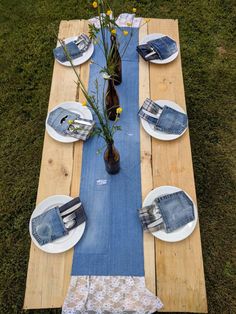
(179, 266)
(49, 274)
(78, 146)
(146, 171)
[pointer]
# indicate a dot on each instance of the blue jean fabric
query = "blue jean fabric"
(129, 54)
(58, 119)
(164, 119)
(62, 121)
(164, 47)
(171, 121)
(176, 209)
(72, 50)
(112, 243)
(144, 50)
(48, 226)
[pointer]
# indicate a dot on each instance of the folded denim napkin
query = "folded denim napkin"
(68, 123)
(123, 20)
(164, 119)
(49, 226)
(161, 48)
(74, 48)
(168, 212)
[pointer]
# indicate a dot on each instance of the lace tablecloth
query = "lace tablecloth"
(109, 294)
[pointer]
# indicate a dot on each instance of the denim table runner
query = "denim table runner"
(112, 244)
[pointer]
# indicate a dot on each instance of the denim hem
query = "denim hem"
(37, 237)
(167, 196)
(171, 130)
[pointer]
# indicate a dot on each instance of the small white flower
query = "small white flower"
(106, 76)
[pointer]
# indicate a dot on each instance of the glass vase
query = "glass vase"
(115, 61)
(112, 159)
(111, 100)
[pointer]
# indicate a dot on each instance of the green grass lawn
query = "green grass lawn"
(207, 38)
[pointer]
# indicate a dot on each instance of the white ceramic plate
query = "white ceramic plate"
(156, 36)
(86, 55)
(65, 243)
(181, 233)
(149, 128)
(75, 107)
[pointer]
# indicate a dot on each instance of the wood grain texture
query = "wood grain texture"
(179, 266)
(146, 171)
(49, 274)
(78, 146)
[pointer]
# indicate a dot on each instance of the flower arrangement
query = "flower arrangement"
(104, 128)
(113, 41)
(109, 28)
(109, 109)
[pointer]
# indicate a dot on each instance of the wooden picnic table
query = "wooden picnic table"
(173, 271)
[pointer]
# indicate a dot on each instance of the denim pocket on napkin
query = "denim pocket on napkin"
(176, 209)
(59, 120)
(48, 226)
(72, 49)
(172, 121)
(164, 47)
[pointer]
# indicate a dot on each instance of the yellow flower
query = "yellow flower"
(125, 33)
(129, 24)
(84, 103)
(95, 4)
(70, 121)
(119, 110)
(113, 31)
(109, 12)
(134, 10)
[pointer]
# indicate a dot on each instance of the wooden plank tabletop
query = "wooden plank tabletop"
(174, 271)
(178, 269)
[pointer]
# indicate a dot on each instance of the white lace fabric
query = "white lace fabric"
(109, 294)
(121, 21)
